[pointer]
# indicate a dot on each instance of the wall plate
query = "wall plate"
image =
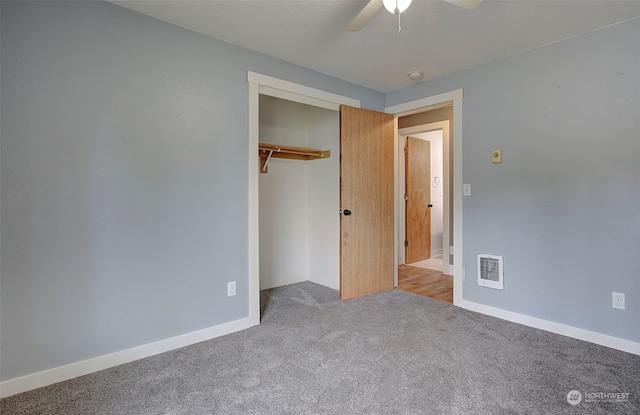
(496, 156)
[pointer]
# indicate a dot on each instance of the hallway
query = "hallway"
(429, 283)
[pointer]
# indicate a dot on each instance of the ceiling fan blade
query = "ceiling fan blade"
(364, 16)
(467, 4)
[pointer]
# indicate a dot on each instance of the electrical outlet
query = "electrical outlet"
(618, 300)
(231, 289)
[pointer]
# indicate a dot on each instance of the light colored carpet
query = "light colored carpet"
(391, 353)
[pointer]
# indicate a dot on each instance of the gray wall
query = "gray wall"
(123, 181)
(563, 207)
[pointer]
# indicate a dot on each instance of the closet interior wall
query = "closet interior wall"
(299, 200)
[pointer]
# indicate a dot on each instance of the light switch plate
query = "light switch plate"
(466, 190)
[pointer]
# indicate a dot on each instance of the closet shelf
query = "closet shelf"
(266, 151)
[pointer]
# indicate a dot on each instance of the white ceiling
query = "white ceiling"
(437, 38)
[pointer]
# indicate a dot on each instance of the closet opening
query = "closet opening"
(298, 197)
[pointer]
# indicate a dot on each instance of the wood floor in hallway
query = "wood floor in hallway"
(427, 282)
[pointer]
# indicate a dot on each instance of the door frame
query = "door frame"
(265, 85)
(446, 200)
(423, 105)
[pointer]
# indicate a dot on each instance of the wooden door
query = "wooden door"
(366, 200)
(418, 199)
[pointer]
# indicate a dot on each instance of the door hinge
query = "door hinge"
(406, 196)
(406, 244)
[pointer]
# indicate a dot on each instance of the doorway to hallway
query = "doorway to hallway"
(439, 209)
(431, 275)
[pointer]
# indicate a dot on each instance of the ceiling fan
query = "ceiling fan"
(396, 7)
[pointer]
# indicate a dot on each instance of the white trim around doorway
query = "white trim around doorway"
(426, 104)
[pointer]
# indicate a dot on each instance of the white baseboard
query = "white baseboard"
(59, 374)
(557, 328)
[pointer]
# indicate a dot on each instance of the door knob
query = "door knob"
(346, 212)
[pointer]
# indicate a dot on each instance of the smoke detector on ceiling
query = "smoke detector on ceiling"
(415, 75)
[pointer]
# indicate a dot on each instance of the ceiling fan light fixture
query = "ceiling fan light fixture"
(391, 5)
(415, 75)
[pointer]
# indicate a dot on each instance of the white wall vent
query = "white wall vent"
(490, 271)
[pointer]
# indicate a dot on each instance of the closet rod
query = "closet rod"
(292, 150)
(267, 151)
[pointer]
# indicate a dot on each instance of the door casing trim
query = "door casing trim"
(427, 104)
